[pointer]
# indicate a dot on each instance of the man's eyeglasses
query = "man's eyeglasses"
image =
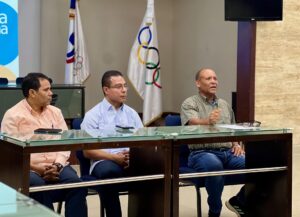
(250, 124)
(120, 86)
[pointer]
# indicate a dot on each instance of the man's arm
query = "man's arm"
(9, 123)
(121, 158)
(213, 117)
(38, 168)
(190, 114)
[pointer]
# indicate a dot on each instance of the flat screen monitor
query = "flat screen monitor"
(70, 99)
(253, 10)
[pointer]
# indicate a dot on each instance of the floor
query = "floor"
(187, 203)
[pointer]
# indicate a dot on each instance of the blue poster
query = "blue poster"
(9, 53)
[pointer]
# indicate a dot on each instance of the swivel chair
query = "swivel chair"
(85, 168)
(174, 120)
(19, 80)
(3, 81)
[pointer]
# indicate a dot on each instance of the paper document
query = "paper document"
(236, 127)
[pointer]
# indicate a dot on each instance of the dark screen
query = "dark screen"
(239, 10)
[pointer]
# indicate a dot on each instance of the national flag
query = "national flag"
(144, 67)
(77, 61)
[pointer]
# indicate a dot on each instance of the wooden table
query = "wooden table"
(268, 173)
(155, 152)
(14, 204)
(150, 158)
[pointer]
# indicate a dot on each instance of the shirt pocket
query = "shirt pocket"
(28, 125)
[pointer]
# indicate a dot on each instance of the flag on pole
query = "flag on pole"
(77, 61)
(144, 67)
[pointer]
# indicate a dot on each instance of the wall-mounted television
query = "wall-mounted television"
(256, 10)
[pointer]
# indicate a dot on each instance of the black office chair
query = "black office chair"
(85, 176)
(54, 100)
(174, 120)
(19, 81)
(85, 168)
(3, 81)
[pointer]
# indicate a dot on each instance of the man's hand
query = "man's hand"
(39, 169)
(237, 150)
(214, 116)
(51, 173)
(122, 158)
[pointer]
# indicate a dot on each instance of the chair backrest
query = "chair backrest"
(19, 80)
(175, 120)
(76, 123)
(54, 99)
(3, 81)
(83, 161)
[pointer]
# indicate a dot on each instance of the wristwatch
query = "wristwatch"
(59, 166)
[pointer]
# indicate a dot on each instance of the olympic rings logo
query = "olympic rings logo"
(78, 65)
(78, 62)
(154, 67)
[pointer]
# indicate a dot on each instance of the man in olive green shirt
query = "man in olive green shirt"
(206, 108)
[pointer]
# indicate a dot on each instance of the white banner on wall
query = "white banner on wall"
(9, 52)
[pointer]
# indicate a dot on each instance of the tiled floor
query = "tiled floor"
(188, 197)
(187, 207)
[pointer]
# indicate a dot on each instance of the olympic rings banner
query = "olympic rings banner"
(144, 67)
(9, 52)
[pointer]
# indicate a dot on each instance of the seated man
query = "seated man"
(206, 109)
(35, 112)
(110, 112)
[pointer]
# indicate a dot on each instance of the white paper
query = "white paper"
(236, 127)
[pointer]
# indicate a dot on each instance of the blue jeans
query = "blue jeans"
(109, 194)
(215, 160)
(75, 199)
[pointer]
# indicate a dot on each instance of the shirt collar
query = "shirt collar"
(205, 99)
(109, 107)
(29, 108)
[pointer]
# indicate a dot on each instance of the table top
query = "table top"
(142, 134)
(15, 204)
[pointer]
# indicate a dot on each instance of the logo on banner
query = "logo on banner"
(153, 67)
(9, 57)
(3, 24)
(8, 34)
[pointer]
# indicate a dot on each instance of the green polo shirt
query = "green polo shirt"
(198, 106)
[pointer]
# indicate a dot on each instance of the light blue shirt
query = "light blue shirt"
(104, 117)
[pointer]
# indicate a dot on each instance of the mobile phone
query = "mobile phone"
(124, 127)
(48, 130)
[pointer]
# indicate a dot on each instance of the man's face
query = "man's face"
(43, 96)
(116, 93)
(207, 83)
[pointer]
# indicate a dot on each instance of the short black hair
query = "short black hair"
(107, 75)
(32, 81)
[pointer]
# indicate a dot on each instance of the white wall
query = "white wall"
(203, 39)
(191, 33)
(29, 36)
